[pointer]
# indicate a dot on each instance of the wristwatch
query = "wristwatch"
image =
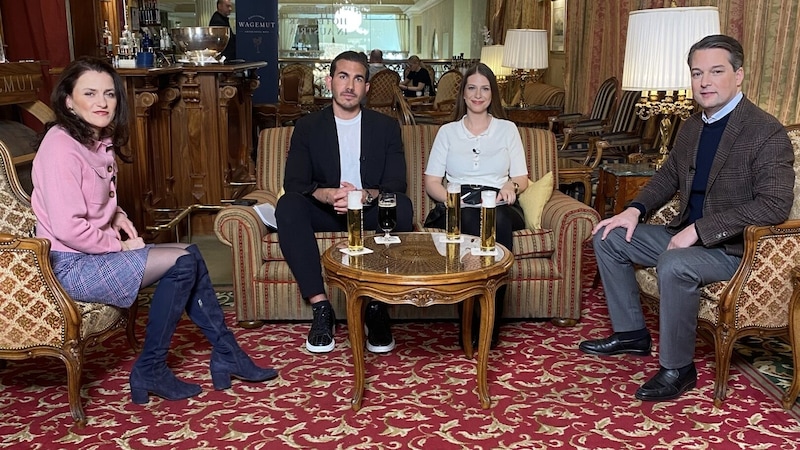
(369, 197)
(516, 187)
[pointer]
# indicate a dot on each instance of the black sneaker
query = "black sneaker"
(379, 334)
(320, 337)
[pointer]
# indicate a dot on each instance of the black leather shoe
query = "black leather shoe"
(613, 345)
(667, 384)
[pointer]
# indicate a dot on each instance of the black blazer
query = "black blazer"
(313, 160)
(218, 20)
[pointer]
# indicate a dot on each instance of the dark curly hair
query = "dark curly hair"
(118, 130)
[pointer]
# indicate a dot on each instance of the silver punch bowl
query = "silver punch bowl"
(201, 44)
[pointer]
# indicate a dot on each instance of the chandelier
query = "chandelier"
(348, 18)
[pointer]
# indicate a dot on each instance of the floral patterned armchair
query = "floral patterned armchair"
(755, 302)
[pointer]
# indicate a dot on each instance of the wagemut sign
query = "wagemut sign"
(257, 40)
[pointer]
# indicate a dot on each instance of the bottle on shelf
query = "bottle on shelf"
(108, 42)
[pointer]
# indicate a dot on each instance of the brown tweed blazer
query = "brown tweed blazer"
(750, 182)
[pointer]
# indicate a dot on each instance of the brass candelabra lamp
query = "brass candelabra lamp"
(665, 106)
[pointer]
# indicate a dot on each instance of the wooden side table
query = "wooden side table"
(620, 183)
(532, 116)
(420, 271)
(570, 172)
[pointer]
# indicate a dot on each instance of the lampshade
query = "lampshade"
(492, 56)
(525, 49)
(658, 44)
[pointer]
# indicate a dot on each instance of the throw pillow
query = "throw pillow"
(533, 199)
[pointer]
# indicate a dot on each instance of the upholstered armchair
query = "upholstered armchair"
(755, 302)
(624, 124)
(38, 318)
(545, 279)
(603, 103)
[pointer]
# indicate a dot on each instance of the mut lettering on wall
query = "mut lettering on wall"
(19, 82)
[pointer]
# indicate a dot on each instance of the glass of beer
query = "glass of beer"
(387, 213)
(488, 204)
(355, 221)
(453, 218)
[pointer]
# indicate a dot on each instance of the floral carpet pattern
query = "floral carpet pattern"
(422, 395)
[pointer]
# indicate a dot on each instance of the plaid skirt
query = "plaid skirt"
(109, 278)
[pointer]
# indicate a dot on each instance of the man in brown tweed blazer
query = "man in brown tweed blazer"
(732, 164)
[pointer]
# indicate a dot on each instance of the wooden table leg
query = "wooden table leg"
(355, 329)
(466, 326)
(484, 344)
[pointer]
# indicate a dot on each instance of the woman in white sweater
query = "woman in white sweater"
(481, 151)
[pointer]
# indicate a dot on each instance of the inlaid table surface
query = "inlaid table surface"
(422, 271)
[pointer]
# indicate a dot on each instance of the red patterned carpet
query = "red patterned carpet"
(545, 394)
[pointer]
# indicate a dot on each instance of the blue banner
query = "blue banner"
(257, 40)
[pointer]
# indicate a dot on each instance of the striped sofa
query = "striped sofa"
(545, 277)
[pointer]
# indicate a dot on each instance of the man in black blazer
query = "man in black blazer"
(221, 18)
(334, 151)
(732, 164)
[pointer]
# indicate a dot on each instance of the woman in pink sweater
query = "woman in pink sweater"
(96, 252)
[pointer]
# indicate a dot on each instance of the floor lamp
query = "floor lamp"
(656, 55)
(492, 56)
(526, 52)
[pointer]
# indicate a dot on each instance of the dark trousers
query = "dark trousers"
(300, 216)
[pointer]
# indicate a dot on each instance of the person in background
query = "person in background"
(221, 18)
(732, 164)
(481, 151)
(96, 252)
(341, 148)
(375, 62)
(416, 78)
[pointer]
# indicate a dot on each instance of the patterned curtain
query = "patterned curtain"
(767, 29)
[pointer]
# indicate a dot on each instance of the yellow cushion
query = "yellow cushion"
(533, 199)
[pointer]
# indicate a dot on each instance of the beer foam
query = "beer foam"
(354, 200)
(488, 199)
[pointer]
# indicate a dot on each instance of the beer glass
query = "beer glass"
(453, 218)
(387, 213)
(488, 204)
(355, 221)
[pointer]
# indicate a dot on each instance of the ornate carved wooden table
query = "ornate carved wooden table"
(420, 271)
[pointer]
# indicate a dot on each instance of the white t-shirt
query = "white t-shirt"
(349, 134)
(488, 159)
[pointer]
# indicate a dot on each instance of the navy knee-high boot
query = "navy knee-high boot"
(227, 358)
(150, 373)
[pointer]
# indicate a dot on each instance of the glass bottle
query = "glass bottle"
(108, 49)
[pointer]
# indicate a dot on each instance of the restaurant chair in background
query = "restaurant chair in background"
(441, 110)
(601, 109)
(385, 96)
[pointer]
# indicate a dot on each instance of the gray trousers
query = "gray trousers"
(681, 274)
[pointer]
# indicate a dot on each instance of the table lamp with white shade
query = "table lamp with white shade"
(526, 51)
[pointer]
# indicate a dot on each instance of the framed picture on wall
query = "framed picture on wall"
(558, 17)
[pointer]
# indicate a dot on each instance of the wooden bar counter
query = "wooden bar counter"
(191, 139)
